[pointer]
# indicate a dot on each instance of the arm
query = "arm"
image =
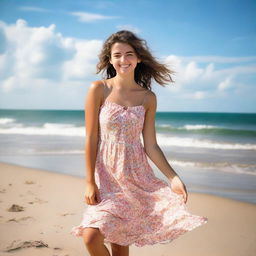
(153, 150)
(92, 105)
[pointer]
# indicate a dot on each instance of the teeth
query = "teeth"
(125, 66)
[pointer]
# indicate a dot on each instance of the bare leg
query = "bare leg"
(119, 250)
(93, 240)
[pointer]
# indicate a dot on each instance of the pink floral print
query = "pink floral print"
(135, 206)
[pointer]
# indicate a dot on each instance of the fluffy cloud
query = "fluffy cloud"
(198, 78)
(39, 65)
(30, 55)
(223, 85)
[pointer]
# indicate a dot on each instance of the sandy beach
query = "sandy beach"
(38, 209)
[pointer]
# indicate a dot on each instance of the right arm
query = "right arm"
(92, 106)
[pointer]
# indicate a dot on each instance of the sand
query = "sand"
(45, 206)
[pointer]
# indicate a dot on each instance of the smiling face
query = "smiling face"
(123, 58)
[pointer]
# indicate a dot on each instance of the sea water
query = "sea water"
(213, 153)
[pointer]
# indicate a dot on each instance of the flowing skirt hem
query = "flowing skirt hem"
(141, 241)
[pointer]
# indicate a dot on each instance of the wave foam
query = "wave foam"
(4, 121)
(46, 129)
(196, 143)
(218, 166)
(199, 127)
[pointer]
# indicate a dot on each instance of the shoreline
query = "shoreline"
(211, 181)
(53, 204)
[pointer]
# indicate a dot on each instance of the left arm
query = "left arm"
(153, 150)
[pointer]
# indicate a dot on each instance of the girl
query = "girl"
(126, 203)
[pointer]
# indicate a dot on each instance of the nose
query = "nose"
(123, 58)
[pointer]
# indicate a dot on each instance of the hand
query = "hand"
(92, 194)
(179, 187)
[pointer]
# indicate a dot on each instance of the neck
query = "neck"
(126, 82)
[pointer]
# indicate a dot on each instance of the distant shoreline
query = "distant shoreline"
(223, 112)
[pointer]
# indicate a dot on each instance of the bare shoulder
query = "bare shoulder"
(95, 94)
(151, 94)
(151, 100)
(96, 89)
(97, 85)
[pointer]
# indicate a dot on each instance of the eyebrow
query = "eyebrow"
(126, 52)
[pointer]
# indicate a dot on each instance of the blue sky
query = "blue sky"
(48, 51)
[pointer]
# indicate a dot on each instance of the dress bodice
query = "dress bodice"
(121, 124)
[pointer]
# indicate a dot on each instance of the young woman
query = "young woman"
(126, 203)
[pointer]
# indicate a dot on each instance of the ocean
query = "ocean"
(213, 153)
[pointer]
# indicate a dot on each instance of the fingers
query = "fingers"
(93, 200)
(90, 200)
(185, 196)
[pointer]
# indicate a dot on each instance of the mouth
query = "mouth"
(125, 66)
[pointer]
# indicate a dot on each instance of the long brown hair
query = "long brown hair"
(147, 69)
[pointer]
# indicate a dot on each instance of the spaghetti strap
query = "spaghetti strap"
(104, 90)
(145, 96)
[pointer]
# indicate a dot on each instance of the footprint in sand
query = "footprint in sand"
(20, 219)
(16, 208)
(3, 190)
(38, 200)
(29, 182)
(57, 248)
(66, 214)
(30, 192)
(15, 245)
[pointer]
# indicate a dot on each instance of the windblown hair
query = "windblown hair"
(147, 69)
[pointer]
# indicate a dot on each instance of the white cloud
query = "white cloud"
(91, 17)
(33, 57)
(223, 85)
(238, 70)
(200, 73)
(39, 65)
(217, 59)
(185, 72)
(192, 72)
(199, 95)
(33, 9)
(80, 66)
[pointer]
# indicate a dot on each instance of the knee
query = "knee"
(91, 235)
(118, 250)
